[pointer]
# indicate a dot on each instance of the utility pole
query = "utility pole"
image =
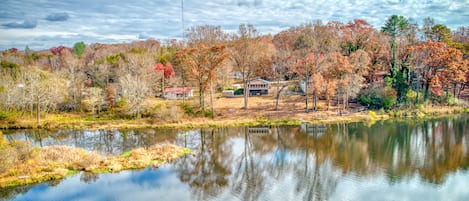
(182, 18)
(182, 25)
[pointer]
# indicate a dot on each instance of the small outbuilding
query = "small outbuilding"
(228, 93)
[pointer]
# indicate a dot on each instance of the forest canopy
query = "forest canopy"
(401, 64)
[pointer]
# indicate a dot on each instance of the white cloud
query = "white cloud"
(126, 185)
(104, 21)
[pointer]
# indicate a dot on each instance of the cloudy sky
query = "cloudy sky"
(42, 24)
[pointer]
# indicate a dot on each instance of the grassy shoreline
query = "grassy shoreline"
(56, 162)
(74, 121)
(37, 165)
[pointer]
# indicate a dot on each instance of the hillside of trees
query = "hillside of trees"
(402, 64)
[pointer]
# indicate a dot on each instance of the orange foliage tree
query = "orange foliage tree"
(202, 62)
(440, 67)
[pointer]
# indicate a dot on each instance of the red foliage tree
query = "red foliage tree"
(13, 50)
(167, 70)
(58, 50)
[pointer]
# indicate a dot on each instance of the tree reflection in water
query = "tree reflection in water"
(205, 171)
(286, 162)
(235, 162)
(249, 172)
(105, 142)
(89, 177)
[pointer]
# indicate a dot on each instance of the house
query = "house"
(258, 87)
(178, 93)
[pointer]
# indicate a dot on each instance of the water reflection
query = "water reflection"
(106, 142)
(314, 164)
(390, 160)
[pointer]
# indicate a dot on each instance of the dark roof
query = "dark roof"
(259, 79)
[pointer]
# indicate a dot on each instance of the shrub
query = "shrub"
(2, 139)
(391, 113)
(411, 95)
(450, 100)
(388, 102)
(13, 153)
(398, 113)
(176, 111)
(208, 113)
(23, 149)
(261, 118)
(3, 115)
(372, 113)
(168, 112)
(319, 107)
(294, 88)
(120, 109)
(378, 97)
(6, 64)
(8, 157)
(420, 106)
(188, 109)
(381, 111)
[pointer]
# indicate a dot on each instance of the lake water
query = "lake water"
(387, 161)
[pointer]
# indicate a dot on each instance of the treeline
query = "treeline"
(400, 65)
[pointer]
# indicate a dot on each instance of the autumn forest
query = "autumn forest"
(403, 64)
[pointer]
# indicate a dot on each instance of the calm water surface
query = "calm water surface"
(387, 161)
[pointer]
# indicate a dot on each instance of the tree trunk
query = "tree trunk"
(162, 85)
(345, 100)
(38, 114)
(246, 94)
(394, 64)
(463, 86)
(183, 89)
(425, 95)
(455, 85)
(277, 95)
(306, 92)
(138, 111)
(99, 108)
(93, 105)
(211, 98)
(328, 103)
(315, 102)
(417, 90)
(201, 98)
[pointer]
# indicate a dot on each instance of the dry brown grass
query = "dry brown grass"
(228, 112)
(31, 165)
